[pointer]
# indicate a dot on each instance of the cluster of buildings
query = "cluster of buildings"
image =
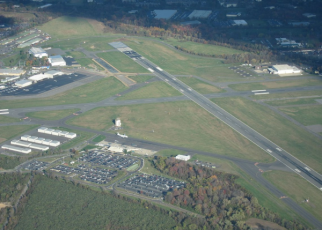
(56, 60)
(285, 42)
(27, 142)
(38, 77)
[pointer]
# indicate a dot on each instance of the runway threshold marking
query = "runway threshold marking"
(307, 169)
(279, 149)
(268, 150)
(297, 170)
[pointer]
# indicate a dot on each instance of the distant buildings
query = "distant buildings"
(238, 23)
(233, 14)
(284, 42)
(183, 157)
(163, 14)
(38, 52)
(283, 69)
(228, 3)
(309, 15)
(57, 60)
(299, 23)
(199, 14)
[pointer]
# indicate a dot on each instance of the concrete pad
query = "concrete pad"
(318, 101)
(315, 128)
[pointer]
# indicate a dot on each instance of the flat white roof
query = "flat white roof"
(240, 22)
(17, 149)
(164, 14)
(23, 82)
(37, 50)
(282, 67)
(39, 77)
(54, 72)
(43, 128)
(200, 14)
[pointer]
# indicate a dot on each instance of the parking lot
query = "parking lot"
(94, 175)
(41, 86)
(240, 71)
(150, 185)
(35, 165)
(115, 161)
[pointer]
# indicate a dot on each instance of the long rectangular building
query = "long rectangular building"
(29, 145)
(16, 149)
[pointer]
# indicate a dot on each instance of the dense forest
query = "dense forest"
(214, 194)
(11, 186)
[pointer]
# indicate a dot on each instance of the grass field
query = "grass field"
(278, 129)
(7, 119)
(122, 62)
(81, 137)
(8, 132)
(275, 85)
(92, 92)
(180, 63)
(176, 123)
(169, 152)
(76, 54)
(306, 115)
(152, 90)
(200, 86)
(141, 78)
(52, 115)
(88, 63)
(202, 48)
(72, 27)
(298, 189)
(289, 94)
(99, 138)
(300, 101)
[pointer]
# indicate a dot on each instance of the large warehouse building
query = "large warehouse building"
(16, 149)
(57, 60)
(284, 69)
(38, 52)
(40, 77)
(23, 83)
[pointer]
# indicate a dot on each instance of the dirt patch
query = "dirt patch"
(2, 139)
(263, 224)
(4, 204)
(92, 47)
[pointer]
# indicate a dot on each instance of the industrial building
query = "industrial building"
(284, 69)
(29, 43)
(284, 42)
(183, 157)
(12, 72)
(29, 145)
(40, 140)
(54, 73)
(16, 149)
(38, 52)
(163, 14)
(9, 79)
(57, 60)
(57, 132)
(23, 83)
(199, 14)
(40, 77)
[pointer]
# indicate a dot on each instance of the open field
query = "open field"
(200, 86)
(88, 63)
(275, 85)
(298, 189)
(91, 92)
(306, 115)
(8, 132)
(170, 152)
(142, 78)
(289, 94)
(65, 206)
(299, 101)
(122, 62)
(152, 90)
(278, 129)
(99, 138)
(52, 115)
(76, 54)
(72, 27)
(176, 123)
(199, 48)
(180, 63)
(7, 119)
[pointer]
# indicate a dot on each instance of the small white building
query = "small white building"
(239, 23)
(16, 149)
(183, 157)
(118, 122)
(284, 69)
(71, 135)
(38, 52)
(309, 15)
(40, 77)
(57, 60)
(25, 137)
(42, 129)
(23, 83)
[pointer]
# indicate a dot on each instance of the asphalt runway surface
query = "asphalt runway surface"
(43, 86)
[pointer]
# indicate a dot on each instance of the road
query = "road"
(258, 139)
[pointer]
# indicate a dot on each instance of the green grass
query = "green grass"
(122, 62)
(203, 48)
(141, 78)
(12, 60)
(132, 167)
(298, 190)
(99, 138)
(176, 123)
(91, 92)
(8, 162)
(278, 129)
(306, 115)
(71, 27)
(8, 132)
(88, 147)
(76, 54)
(200, 86)
(7, 119)
(56, 205)
(52, 115)
(170, 152)
(88, 63)
(300, 101)
(275, 85)
(81, 137)
(289, 94)
(152, 90)
(180, 63)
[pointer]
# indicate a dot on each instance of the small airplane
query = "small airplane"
(122, 135)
